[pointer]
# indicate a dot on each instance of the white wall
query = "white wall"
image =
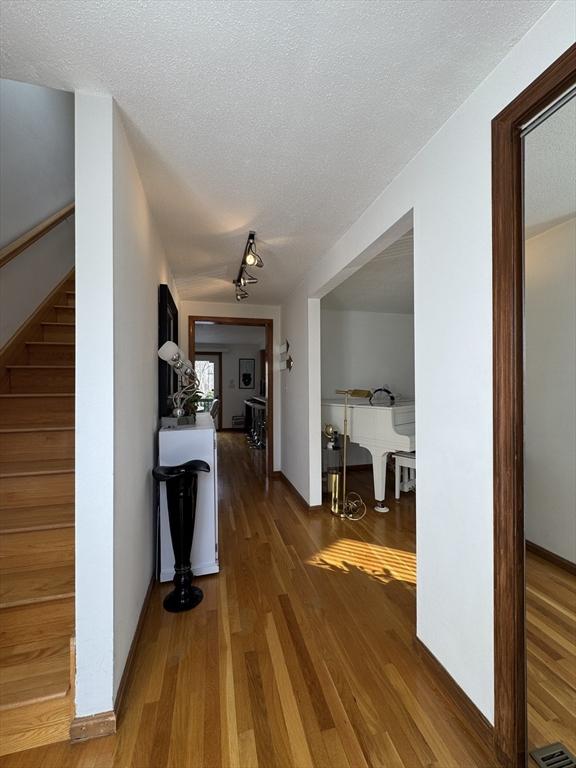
(222, 309)
(367, 350)
(36, 180)
(448, 188)
(120, 262)
(550, 390)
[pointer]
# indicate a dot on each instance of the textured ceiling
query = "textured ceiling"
(282, 116)
(550, 171)
(385, 284)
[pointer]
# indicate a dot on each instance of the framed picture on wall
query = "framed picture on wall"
(246, 373)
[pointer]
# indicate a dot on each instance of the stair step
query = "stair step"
(32, 443)
(33, 672)
(59, 331)
(38, 467)
(35, 725)
(70, 298)
(37, 410)
(54, 546)
(47, 352)
(36, 586)
(43, 518)
(33, 483)
(64, 313)
(41, 378)
(42, 621)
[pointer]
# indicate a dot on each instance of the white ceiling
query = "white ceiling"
(550, 171)
(385, 284)
(282, 116)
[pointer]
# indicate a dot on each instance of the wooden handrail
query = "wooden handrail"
(21, 243)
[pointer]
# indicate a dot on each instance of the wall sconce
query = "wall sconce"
(250, 258)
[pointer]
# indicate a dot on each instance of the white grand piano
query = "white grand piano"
(379, 428)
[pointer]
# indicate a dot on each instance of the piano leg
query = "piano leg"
(379, 461)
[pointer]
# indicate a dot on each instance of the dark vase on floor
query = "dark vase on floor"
(181, 492)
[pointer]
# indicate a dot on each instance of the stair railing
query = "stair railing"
(24, 241)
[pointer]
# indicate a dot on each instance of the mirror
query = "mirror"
(550, 426)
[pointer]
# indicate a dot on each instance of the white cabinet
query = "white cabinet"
(177, 445)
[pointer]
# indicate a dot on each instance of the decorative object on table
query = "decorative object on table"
(181, 491)
(388, 397)
(167, 331)
(351, 505)
(286, 362)
(246, 373)
(250, 258)
(187, 396)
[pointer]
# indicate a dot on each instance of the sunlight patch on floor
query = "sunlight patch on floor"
(381, 563)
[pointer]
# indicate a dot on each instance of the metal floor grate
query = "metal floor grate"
(554, 756)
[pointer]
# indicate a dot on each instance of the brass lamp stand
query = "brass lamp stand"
(350, 506)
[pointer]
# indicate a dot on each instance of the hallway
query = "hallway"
(301, 654)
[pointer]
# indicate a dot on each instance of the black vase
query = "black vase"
(181, 492)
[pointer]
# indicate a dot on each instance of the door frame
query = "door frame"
(510, 695)
(268, 324)
(220, 400)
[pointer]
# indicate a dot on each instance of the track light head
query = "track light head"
(250, 258)
(246, 279)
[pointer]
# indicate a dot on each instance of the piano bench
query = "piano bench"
(404, 471)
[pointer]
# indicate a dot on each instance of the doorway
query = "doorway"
(509, 328)
(208, 368)
(246, 372)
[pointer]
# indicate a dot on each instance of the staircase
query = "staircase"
(37, 527)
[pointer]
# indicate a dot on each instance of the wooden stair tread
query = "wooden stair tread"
(41, 367)
(41, 585)
(55, 322)
(19, 430)
(29, 395)
(21, 519)
(63, 306)
(51, 343)
(34, 672)
(36, 467)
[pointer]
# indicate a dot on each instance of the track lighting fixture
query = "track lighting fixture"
(250, 258)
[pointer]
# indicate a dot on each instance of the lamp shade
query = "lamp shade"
(170, 352)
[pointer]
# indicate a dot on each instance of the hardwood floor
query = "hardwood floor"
(551, 636)
(301, 654)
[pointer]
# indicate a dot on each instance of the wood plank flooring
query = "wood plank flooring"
(300, 655)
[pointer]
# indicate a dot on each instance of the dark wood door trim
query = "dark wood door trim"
(268, 324)
(510, 724)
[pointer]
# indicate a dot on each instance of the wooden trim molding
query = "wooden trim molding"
(122, 687)
(551, 557)
(268, 324)
(105, 723)
(84, 728)
(24, 241)
(482, 727)
(507, 269)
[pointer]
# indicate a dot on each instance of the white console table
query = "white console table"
(177, 445)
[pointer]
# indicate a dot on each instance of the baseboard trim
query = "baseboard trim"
(552, 557)
(311, 507)
(482, 726)
(120, 694)
(93, 727)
